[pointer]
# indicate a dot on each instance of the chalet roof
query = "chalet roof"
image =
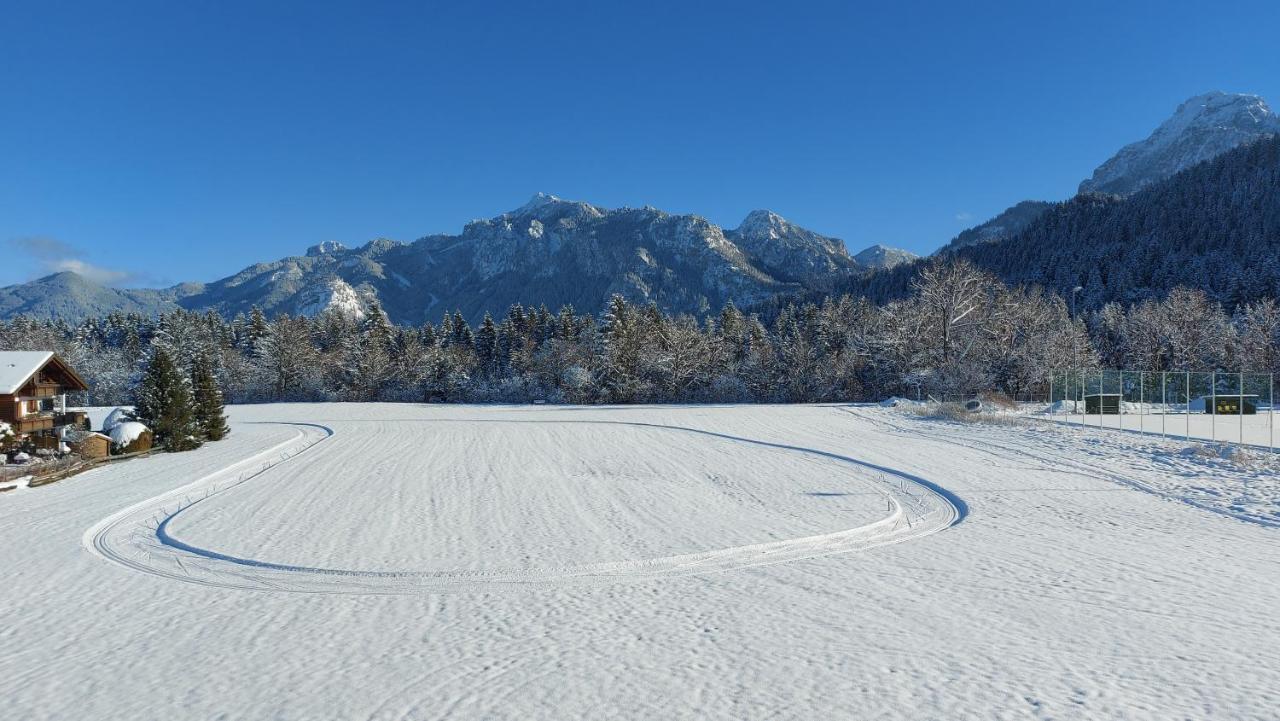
(17, 367)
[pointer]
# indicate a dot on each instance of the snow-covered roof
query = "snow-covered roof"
(77, 435)
(115, 418)
(126, 433)
(17, 367)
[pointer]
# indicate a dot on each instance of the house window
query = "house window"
(33, 406)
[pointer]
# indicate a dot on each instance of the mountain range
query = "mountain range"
(555, 252)
(549, 251)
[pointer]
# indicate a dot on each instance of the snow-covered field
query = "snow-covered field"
(366, 561)
(1258, 430)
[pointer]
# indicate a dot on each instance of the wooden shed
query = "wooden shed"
(91, 445)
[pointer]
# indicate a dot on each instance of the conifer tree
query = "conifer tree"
(163, 403)
(462, 335)
(209, 410)
(487, 346)
(446, 330)
(258, 328)
(377, 327)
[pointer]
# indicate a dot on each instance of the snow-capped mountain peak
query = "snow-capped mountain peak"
(763, 222)
(539, 200)
(326, 248)
(546, 208)
(1217, 110)
(883, 257)
(787, 250)
(1202, 128)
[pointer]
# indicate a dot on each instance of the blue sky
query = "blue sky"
(154, 142)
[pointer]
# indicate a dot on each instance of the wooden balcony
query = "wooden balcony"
(42, 390)
(70, 418)
(33, 423)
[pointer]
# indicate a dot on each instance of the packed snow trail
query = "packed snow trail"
(140, 537)
(121, 537)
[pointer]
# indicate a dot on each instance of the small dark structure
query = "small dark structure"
(1233, 404)
(1107, 404)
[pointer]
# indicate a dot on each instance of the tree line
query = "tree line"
(959, 331)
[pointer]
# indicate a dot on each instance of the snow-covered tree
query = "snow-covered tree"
(163, 402)
(210, 414)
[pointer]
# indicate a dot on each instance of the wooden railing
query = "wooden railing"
(33, 423)
(42, 390)
(70, 418)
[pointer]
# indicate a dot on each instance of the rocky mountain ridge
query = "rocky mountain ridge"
(548, 251)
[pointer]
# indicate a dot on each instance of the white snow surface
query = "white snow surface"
(373, 561)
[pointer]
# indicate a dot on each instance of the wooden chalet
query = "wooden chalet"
(33, 400)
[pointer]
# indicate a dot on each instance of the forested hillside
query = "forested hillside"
(1215, 226)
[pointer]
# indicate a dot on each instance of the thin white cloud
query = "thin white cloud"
(56, 256)
(97, 274)
(964, 216)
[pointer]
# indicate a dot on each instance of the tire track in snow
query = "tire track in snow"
(138, 537)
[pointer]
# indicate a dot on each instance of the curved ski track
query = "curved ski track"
(138, 537)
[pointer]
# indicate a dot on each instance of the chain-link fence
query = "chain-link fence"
(1209, 406)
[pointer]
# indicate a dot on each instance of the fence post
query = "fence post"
(1213, 403)
(1186, 408)
(1051, 395)
(1120, 403)
(1164, 401)
(1271, 417)
(1240, 409)
(1101, 374)
(1078, 397)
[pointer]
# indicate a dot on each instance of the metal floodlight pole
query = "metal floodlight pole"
(1271, 415)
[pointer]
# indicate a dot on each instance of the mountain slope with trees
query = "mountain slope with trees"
(1200, 129)
(1214, 226)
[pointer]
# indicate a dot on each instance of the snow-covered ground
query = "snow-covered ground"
(1259, 430)
(370, 561)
